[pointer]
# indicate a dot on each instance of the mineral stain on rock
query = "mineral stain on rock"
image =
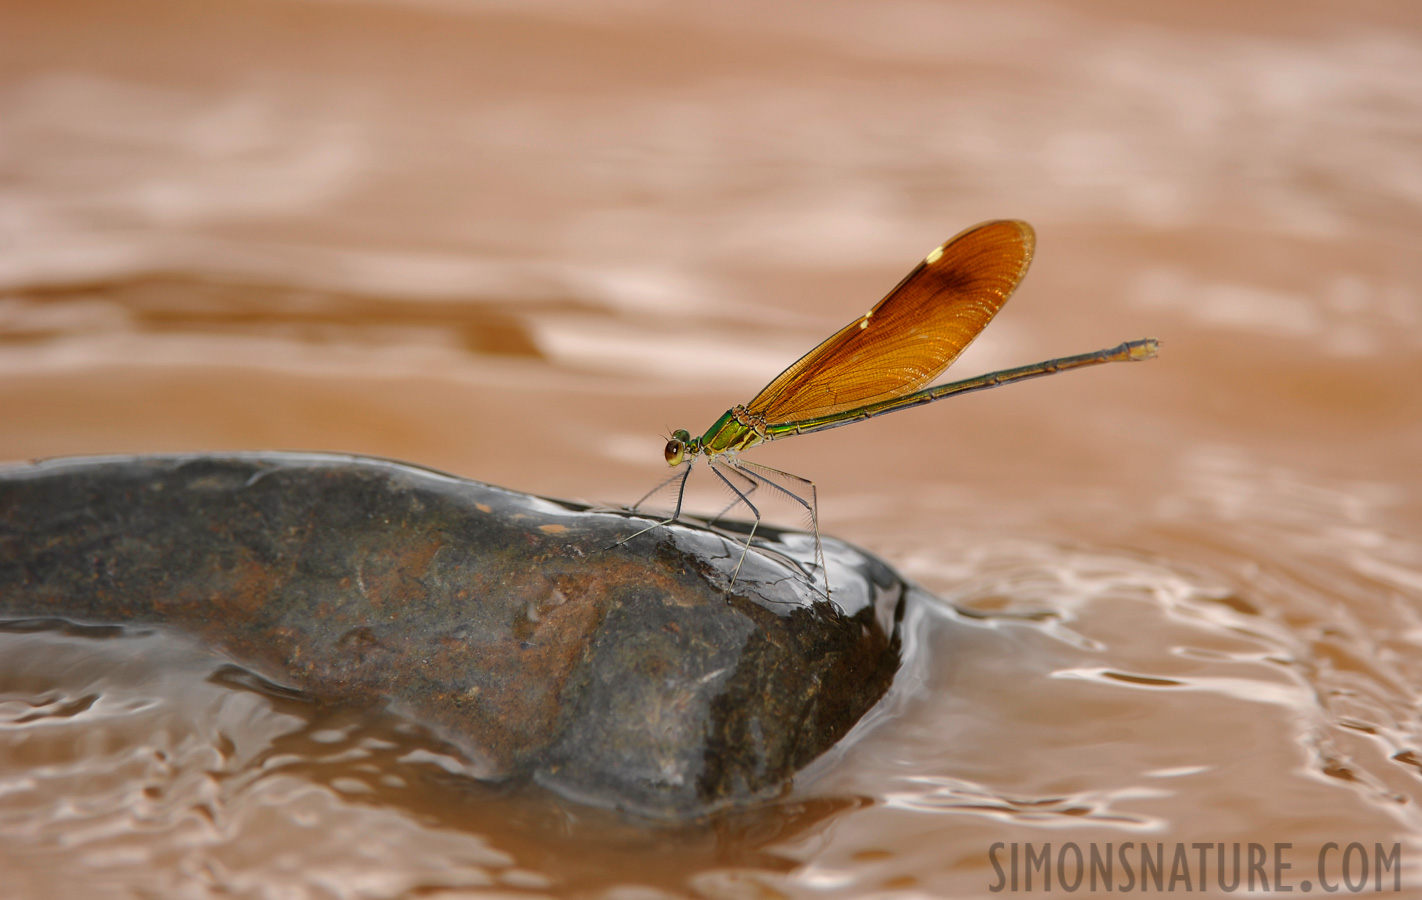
(634, 676)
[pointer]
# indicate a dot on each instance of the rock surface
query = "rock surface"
(633, 675)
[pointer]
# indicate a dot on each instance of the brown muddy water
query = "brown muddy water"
(1181, 602)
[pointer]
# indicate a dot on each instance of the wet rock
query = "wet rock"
(632, 675)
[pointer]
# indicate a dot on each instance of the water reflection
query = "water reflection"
(182, 775)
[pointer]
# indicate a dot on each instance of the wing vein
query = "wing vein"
(911, 335)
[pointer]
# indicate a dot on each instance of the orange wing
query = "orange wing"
(913, 334)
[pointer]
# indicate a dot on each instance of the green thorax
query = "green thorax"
(736, 430)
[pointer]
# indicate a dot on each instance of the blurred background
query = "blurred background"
(521, 242)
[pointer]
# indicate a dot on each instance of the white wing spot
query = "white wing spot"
(935, 256)
(864, 322)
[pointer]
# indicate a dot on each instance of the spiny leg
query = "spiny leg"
(749, 505)
(751, 486)
(658, 489)
(757, 472)
(676, 513)
(752, 483)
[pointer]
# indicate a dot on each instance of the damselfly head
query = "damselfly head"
(677, 447)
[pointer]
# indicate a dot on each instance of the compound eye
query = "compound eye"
(675, 452)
